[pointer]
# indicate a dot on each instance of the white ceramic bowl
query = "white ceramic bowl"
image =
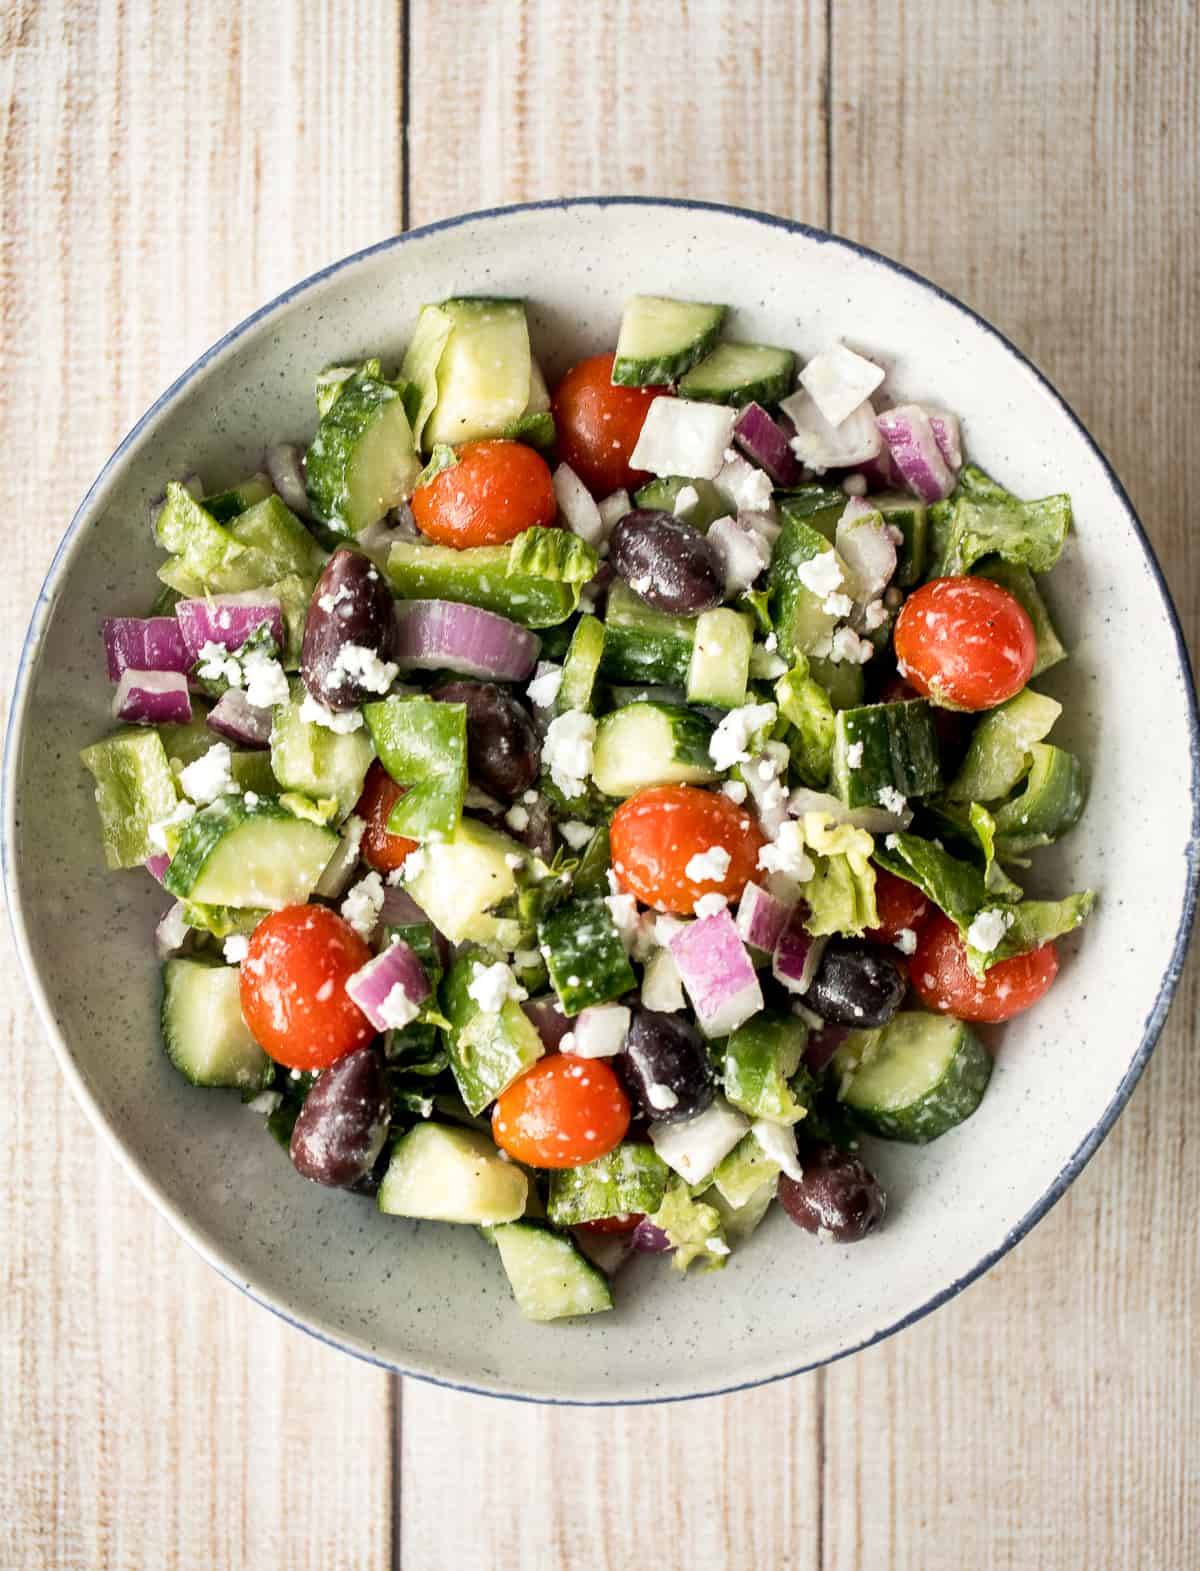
(432, 1300)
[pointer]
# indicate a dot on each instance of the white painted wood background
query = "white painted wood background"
(168, 165)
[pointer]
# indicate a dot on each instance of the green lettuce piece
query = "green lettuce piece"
(554, 554)
(1030, 534)
(441, 459)
(740, 1221)
(805, 705)
(841, 891)
(996, 880)
(1034, 923)
(535, 428)
(743, 1172)
(693, 1228)
(331, 383)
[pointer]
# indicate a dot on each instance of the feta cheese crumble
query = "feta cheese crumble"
(821, 574)
(891, 800)
(158, 832)
(362, 666)
(745, 485)
(786, 854)
(397, 1009)
(847, 646)
(215, 662)
(837, 604)
(517, 818)
(363, 903)
(266, 680)
(210, 775)
(342, 721)
(854, 755)
(906, 941)
(235, 948)
(875, 615)
(710, 905)
(735, 790)
(492, 986)
(567, 751)
(988, 928)
(547, 680)
(728, 743)
(713, 863)
(687, 496)
(575, 833)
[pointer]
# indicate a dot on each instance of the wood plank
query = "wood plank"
(1044, 163)
(163, 170)
(533, 102)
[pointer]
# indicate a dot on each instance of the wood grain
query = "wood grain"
(163, 170)
(1042, 162)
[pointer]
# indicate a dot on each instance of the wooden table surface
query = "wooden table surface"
(164, 168)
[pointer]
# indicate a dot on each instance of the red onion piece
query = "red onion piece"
(228, 620)
(867, 549)
(766, 444)
(910, 437)
(547, 1016)
(373, 986)
(797, 954)
(235, 717)
(761, 918)
(157, 865)
(717, 974)
(153, 698)
(144, 643)
(442, 635)
(880, 472)
(948, 436)
(648, 1239)
(287, 476)
(822, 1045)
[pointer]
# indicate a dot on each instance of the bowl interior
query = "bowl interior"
(432, 1300)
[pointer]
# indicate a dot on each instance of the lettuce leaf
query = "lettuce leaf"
(982, 519)
(805, 705)
(694, 1229)
(841, 891)
(555, 554)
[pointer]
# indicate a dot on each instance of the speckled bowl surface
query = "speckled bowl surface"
(432, 1300)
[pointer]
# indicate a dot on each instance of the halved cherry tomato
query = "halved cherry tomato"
(900, 905)
(383, 851)
(598, 425)
(625, 1222)
(495, 491)
(939, 973)
(657, 832)
(965, 643)
(563, 1112)
(293, 987)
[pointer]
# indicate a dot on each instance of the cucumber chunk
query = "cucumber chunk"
(316, 761)
(720, 664)
(816, 505)
(535, 580)
(134, 789)
(259, 857)
(741, 374)
(739, 1222)
(879, 749)
(759, 1059)
(363, 460)
(642, 644)
(484, 373)
(661, 339)
(746, 1170)
(631, 1178)
(205, 1036)
(913, 1079)
(487, 1050)
(458, 881)
(581, 666)
(649, 744)
(584, 955)
(999, 752)
(1050, 803)
(550, 1278)
(226, 505)
(710, 503)
(452, 1175)
(801, 621)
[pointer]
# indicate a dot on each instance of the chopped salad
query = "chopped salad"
(585, 812)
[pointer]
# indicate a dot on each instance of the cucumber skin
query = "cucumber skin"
(799, 617)
(582, 1288)
(660, 495)
(899, 750)
(631, 1178)
(581, 665)
(690, 734)
(768, 386)
(331, 455)
(478, 575)
(248, 1081)
(644, 645)
(204, 833)
(952, 1100)
(1049, 804)
(580, 941)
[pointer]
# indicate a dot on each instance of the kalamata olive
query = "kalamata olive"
(857, 984)
(838, 1195)
(349, 632)
(503, 752)
(669, 564)
(344, 1121)
(665, 1065)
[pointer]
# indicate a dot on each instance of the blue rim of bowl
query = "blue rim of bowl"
(1154, 1020)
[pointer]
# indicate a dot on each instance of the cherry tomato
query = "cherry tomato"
(563, 1112)
(494, 492)
(598, 425)
(657, 832)
(293, 987)
(965, 643)
(938, 971)
(900, 905)
(623, 1222)
(381, 850)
